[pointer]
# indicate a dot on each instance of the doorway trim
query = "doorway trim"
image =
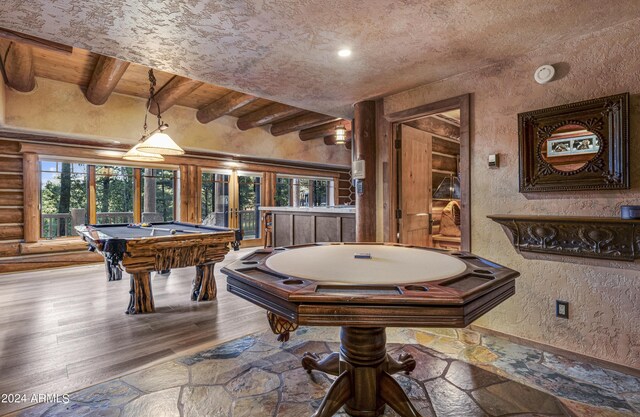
(390, 182)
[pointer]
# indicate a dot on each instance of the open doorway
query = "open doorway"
(431, 161)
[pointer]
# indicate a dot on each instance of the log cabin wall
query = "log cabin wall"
(22, 249)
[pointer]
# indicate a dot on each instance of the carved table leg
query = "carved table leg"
(404, 363)
(141, 296)
(113, 270)
(329, 365)
(364, 386)
(204, 284)
(336, 397)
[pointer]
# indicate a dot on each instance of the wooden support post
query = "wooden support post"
(19, 67)
(365, 149)
(193, 190)
(197, 195)
(184, 193)
(31, 199)
(232, 101)
(93, 216)
(270, 114)
(304, 121)
(137, 188)
(104, 79)
(171, 92)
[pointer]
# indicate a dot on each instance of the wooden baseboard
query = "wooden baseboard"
(558, 351)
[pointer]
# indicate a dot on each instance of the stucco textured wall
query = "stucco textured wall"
(604, 297)
(61, 108)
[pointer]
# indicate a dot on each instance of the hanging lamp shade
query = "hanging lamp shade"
(135, 154)
(160, 143)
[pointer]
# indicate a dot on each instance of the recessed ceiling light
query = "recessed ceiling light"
(116, 141)
(344, 52)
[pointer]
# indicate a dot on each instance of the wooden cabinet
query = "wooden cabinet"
(293, 226)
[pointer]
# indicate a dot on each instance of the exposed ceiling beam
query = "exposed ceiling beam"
(331, 140)
(447, 119)
(230, 102)
(436, 127)
(304, 121)
(267, 115)
(33, 41)
(326, 129)
(174, 90)
(105, 77)
(19, 68)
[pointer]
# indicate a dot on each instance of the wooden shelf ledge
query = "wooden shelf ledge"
(609, 238)
(53, 246)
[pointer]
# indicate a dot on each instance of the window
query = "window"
(114, 194)
(283, 191)
(63, 198)
(65, 202)
(215, 199)
(157, 195)
(249, 205)
(320, 193)
(304, 192)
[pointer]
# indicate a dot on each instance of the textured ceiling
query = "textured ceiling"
(285, 50)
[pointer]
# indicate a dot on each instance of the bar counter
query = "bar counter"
(300, 225)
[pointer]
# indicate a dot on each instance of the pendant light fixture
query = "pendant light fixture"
(156, 143)
(134, 154)
(341, 135)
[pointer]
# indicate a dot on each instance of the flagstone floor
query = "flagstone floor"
(460, 373)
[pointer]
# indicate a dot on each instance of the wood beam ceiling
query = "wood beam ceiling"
(232, 101)
(100, 76)
(171, 92)
(436, 127)
(267, 115)
(105, 77)
(19, 67)
(304, 121)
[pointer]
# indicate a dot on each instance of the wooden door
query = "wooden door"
(415, 186)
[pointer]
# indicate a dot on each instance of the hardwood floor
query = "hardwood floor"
(65, 329)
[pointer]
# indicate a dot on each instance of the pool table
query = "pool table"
(142, 249)
(364, 288)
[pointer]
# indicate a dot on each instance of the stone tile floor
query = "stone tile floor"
(463, 372)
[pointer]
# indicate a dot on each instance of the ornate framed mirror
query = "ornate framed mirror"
(577, 146)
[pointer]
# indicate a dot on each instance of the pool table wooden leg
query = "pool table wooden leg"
(114, 273)
(204, 284)
(141, 296)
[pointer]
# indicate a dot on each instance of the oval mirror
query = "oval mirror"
(570, 147)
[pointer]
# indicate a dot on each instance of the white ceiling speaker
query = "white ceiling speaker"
(544, 74)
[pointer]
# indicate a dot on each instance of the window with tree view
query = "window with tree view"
(63, 198)
(303, 192)
(215, 199)
(114, 194)
(157, 195)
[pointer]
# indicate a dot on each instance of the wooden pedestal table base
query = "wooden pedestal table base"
(204, 284)
(141, 296)
(363, 367)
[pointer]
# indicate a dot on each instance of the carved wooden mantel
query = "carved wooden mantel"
(590, 237)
